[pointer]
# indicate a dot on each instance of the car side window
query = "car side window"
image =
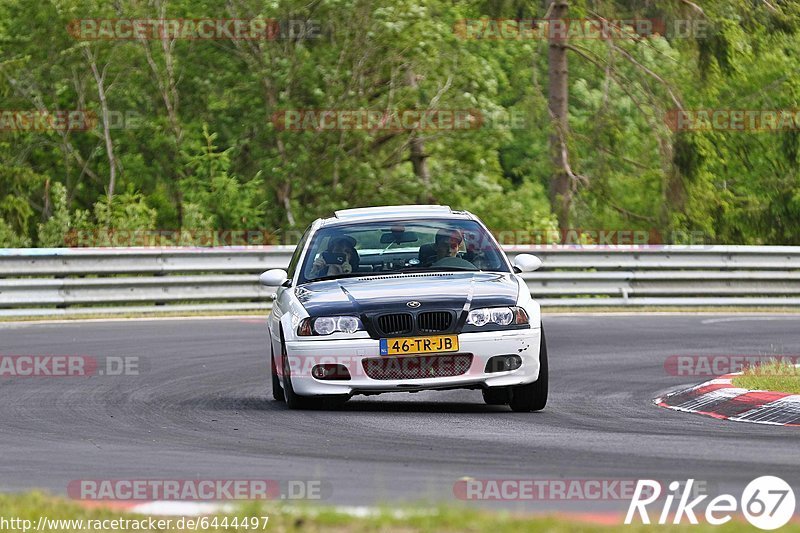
(297, 253)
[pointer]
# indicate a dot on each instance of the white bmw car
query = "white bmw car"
(404, 298)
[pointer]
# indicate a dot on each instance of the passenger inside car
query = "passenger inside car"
(340, 257)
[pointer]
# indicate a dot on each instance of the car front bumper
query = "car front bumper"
(303, 355)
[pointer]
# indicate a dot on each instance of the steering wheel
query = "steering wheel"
(454, 262)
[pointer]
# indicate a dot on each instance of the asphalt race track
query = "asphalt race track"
(201, 408)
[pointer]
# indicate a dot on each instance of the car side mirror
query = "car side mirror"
(526, 263)
(274, 278)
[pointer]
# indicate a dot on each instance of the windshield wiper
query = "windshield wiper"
(337, 276)
(394, 272)
(442, 269)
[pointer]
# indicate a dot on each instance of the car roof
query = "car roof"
(393, 212)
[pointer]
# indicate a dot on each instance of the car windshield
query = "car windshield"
(373, 248)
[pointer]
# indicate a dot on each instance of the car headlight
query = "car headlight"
(501, 316)
(325, 325)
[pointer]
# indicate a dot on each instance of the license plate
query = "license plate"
(409, 345)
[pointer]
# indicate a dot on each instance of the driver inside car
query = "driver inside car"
(446, 244)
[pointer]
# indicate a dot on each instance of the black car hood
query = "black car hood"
(456, 291)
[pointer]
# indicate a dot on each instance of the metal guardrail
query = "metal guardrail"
(65, 281)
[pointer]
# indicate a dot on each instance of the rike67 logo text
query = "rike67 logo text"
(767, 502)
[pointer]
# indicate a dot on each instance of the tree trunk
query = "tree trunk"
(418, 157)
(558, 99)
(419, 160)
(100, 79)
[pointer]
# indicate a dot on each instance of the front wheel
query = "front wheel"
(293, 400)
(533, 396)
(277, 390)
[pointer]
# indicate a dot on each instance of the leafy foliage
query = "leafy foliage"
(186, 126)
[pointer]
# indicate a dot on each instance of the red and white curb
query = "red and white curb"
(720, 399)
(184, 508)
(163, 508)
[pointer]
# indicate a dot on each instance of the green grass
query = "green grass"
(776, 375)
(283, 518)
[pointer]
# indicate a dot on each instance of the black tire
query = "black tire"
(295, 401)
(533, 396)
(496, 396)
(277, 390)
